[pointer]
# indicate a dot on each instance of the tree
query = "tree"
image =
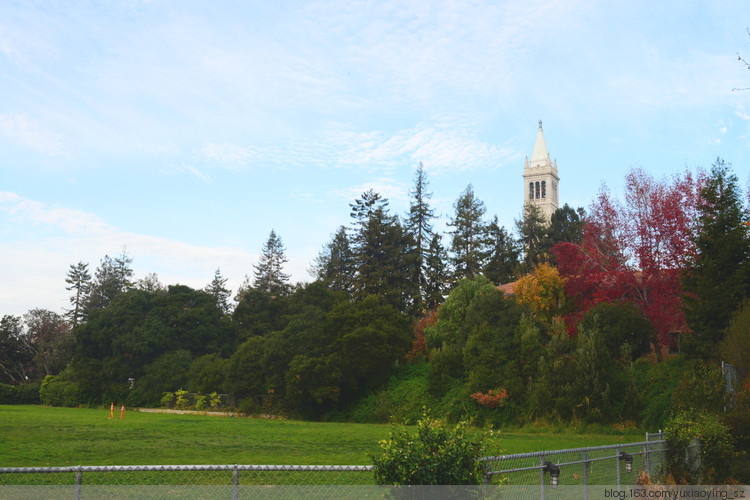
(532, 229)
(620, 324)
(269, 274)
(503, 252)
(418, 224)
(334, 265)
(150, 283)
(634, 251)
(79, 280)
(717, 274)
(735, 347)
(468, 235)
(16, 353)
(566, 224)
(383, 254)
(217, 288)
(437, 275)
(543, 291)
(112, 277)
(50, 340)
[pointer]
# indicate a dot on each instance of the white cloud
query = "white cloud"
(386, 187)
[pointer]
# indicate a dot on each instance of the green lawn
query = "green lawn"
(41, 436)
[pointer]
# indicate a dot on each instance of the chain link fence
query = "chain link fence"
(183, 481)
(527, 474)
(614, 465)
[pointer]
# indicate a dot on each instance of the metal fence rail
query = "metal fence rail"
(619, 464)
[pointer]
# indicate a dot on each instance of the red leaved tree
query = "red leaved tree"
(634, 251)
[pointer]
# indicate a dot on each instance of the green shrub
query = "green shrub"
(711, 464)
(181, 399)
(166, 400)
(247, 406)
(656, 383)
(435, 456)
(24, 394)
(701, 387)
(56, 392)
(200, 401)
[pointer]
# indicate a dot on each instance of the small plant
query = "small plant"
(181, 400)
(166, 399)
(214, 401)
(435, 456)
(699, 448)
(200, 401)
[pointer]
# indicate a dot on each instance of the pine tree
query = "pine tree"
(717, 278)
(269, 273)
(382, 254)
(468, 235)
(335, 264)
(220, 292)
(532, 230)
(150, 283)
(112, 277)
(418, 223)
(437, 274)
(502, 262)
(79, 280)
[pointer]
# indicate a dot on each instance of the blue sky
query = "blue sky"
(186, 131)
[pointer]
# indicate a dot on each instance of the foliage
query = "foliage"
(502, 254)
(50, 340)
(384, 255)
(715, 452)
(434, 456)
(468, 235)
(633, 251)
(532, 229)
(217, 288)
(621, 323)
(269, 274)
(656, 382)
(23, 394)
(437, 276)
(418, 224)
(419, 344)
(112, 277)
(57, 392)
(492, 399)
(717, 275)
(334, 265)
(543, 291)
(79, 281)
(735, 347)
(16, 351)
(701, 387)
(166, 400)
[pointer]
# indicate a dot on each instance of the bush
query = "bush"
(708, 465)
(24, 394)
(435, 456)
(56, 392)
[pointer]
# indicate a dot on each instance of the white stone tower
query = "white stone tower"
(540, 180)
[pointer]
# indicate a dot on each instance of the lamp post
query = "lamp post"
(628, 461)
(554, 473)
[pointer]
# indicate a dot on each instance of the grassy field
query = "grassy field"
(41, 436)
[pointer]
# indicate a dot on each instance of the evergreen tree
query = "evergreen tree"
(566, 224)
(418, 223)
(717, 278)
(269, 274)
(79, 281)
(437, 275)
(468, 240)
(502, 262)
(112, 277)
(382, 253)
(220, 292)
(532, 230)
(334, 265)
(150, 283)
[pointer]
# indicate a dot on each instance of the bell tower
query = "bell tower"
(540, 180)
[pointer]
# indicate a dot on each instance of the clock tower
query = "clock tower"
(540, 180)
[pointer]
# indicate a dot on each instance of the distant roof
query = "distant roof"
(508, 288)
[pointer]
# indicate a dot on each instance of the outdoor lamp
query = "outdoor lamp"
(554, 473)
(628, 461)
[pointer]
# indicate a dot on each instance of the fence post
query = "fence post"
(541, 477)
(646, 462)
(79, 480)
(617, 464)
(235, 482)
(585, 475)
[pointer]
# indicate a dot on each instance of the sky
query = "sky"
(185, 131)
